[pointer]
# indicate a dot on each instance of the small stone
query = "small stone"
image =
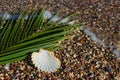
(68, 55)
(74, 55)
(71, 74)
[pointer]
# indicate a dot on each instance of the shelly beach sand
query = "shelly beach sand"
(92, 54)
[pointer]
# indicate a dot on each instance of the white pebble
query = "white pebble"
(7, 66)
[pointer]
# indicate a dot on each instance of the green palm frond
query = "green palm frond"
(20, 37)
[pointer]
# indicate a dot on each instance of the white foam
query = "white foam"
(71, 23)
(97, 40)
(92, 36)
(47, 14)
(117, 53)
(6, 16)
(55, 18)
(65, 20)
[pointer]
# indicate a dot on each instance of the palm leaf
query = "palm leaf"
(20, 37)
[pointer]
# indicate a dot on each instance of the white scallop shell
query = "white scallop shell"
(45, 61)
